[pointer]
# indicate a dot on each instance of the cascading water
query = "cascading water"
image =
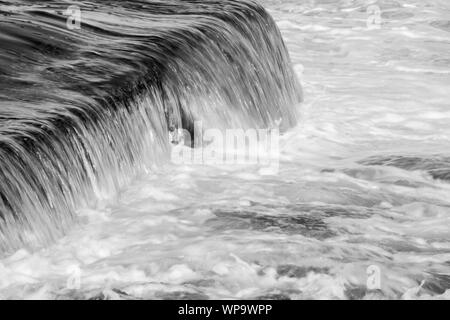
(83, 111)
(358, 208)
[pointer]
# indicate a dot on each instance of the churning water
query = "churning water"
(92, 207)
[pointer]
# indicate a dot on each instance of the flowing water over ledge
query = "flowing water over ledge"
(363, 181)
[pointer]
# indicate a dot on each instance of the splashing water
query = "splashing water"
(358, 210)
(84, 111)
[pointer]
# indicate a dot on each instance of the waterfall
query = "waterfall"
(83, 111)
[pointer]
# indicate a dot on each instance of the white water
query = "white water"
(312, 230)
